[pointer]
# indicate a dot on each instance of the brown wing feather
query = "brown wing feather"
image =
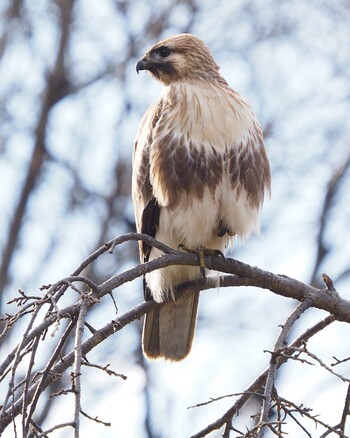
(146, 207)
(149, 224)
(249, 168)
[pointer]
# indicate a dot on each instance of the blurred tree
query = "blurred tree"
(70, 106)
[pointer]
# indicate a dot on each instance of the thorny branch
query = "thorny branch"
(23, 394)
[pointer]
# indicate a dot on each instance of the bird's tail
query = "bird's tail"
(168, 331)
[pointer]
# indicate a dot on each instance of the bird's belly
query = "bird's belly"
(194, 222)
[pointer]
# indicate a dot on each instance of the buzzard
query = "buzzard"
(200, 172)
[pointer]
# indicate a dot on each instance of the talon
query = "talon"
(219, 253)
(183, 248)
(201, 253)
(213, 252)
(224, 229)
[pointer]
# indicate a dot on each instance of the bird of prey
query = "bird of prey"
(200, 172)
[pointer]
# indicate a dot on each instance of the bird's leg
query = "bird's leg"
(201, 256)
(201, 253)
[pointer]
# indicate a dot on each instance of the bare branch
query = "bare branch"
(303, 411)
(52, 429)
(68, 359)
(260, 381)
(338, 361)
(48, 369)
(106, 369)
(279, 347)
(346, 410)
(304, 349)
(78, 354)
(96, 419)
(240, 275)
(214, 399)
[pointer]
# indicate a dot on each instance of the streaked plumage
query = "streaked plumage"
(200, 172)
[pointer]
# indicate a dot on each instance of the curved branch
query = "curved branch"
(244, 275)
(241, 274)
(248, 276)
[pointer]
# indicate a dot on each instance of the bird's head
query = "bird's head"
(181, 57)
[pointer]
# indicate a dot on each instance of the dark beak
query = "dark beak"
(142, 64)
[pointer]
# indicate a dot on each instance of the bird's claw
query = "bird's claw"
(201, 253)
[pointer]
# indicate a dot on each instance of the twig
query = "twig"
(227, 429)
(304, 350)
(78, 354)
(17, 359)
(212, 399)
(23, 298)
(105, 369)
(61, 392)
(338, 361)
(281, 407)
(306, 412)
(271, 375)
(52, 429)
(36, 428)
(48, 370)
(94, 419)
(26, 386)
(299, 423)
(115, 304)
(346, 410)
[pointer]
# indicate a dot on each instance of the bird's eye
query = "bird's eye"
(164, 52)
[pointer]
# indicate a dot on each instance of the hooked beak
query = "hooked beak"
(142, 64)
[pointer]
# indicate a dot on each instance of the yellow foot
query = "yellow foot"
(201, 253)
